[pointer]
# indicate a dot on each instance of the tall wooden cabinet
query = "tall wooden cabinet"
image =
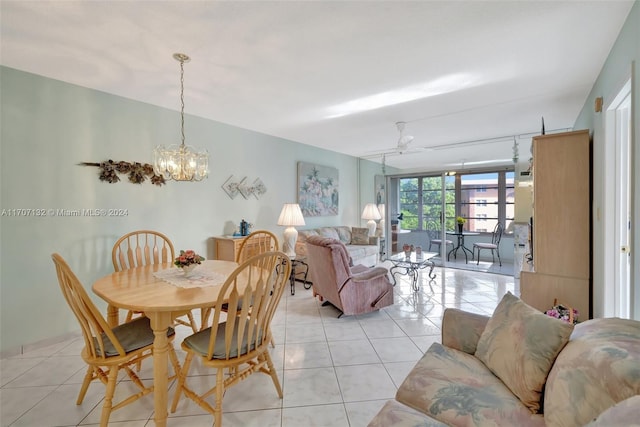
(561, 223)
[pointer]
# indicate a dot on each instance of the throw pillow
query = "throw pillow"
(519, 345)
(330, 232)
(359, 236)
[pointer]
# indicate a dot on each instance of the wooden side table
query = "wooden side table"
(226, 247)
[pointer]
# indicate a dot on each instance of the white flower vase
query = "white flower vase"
(189, 269)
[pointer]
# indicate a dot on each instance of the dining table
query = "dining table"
(460, 235)
(162, 292)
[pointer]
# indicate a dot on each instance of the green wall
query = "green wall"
(622, 63)
(48, 127)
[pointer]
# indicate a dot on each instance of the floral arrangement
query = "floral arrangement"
(460, 220)
(187, 258)
(566, 314)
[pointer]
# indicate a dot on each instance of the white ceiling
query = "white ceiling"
(474, 70)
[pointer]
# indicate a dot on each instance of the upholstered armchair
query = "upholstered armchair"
(351, 289)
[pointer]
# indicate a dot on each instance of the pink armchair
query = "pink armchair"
(351, 289)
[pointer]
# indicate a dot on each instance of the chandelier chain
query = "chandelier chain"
(181, 162)
(182, 99)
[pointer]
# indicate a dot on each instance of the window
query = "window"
(484, 199)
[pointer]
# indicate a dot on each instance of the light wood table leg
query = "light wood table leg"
(160, 322)
(113, 316)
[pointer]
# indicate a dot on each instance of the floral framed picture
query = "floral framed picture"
(258, 188)
(317, 189)
(231, 188)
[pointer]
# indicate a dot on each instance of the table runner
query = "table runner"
(200, 277)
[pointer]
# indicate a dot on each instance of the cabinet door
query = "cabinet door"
(562, 209)
(539, 291)
(226, 248)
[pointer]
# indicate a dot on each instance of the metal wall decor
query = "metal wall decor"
(137, 172)
(233, 187)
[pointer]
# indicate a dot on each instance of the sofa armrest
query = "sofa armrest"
(461, 330)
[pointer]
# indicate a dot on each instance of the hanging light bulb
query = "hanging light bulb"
(181, 162)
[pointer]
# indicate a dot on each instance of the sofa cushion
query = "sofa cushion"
(458, 389)
(519, 345)
(598, 368)
(623, 414)
(344, 233)
(359, 236)
(461, 330)
(398, 415)
(359, 252)
(329, 232)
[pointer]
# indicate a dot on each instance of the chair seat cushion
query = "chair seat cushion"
(485, 245)
(199, 342)
(132, 336)
(439, 241)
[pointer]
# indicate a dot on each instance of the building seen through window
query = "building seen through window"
(482, 199)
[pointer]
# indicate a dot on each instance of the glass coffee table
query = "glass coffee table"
(411, 266)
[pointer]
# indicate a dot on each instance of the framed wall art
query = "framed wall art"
(379, 184)
(317, 189)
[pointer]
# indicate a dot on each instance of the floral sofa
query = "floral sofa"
(522, 368)
(361, 248)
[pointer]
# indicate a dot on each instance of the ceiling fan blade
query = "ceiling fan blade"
(403, 140)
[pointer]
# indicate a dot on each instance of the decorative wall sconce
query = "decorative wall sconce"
(233, 187)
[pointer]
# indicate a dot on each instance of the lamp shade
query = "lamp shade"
(290, 216)
(371, 212)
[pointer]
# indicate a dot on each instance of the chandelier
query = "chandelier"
(181, 162)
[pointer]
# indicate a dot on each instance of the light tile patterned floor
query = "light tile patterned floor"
(335, 372)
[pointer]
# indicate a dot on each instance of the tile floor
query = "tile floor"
(334, 372)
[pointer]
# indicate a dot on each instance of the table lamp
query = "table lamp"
(290, 216)
(371, 213)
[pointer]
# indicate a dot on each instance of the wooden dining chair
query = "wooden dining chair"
(144, 247)
(238, 346)
(108, 350)
(493, 246)
(257, 242)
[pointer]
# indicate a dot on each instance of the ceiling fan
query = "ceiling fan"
(403, 140)
(402, 146)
